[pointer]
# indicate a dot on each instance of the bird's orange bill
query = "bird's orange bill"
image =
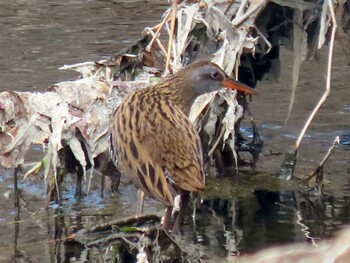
(236, 85)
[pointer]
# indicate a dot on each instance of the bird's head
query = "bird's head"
(206, 77)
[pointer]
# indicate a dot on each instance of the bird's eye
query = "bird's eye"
(215, 75)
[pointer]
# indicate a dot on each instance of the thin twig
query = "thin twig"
(216, 142)
(228, 7)
(159, 27)
(250, 11)
(241, 8)
(325, 158)
(261, 35)
(328, 81)
(171, 34)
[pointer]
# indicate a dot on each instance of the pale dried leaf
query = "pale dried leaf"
(233, 114)
(199, 104)
(324, 24)
(76, 147)
(82, 93)
(229, 116)
(300, 50)
(86, 69)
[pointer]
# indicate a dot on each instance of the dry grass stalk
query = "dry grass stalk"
(291, 156)
(328, 80)
(318, 172)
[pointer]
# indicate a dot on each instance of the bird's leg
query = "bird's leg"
(196, 201)
(167, 218)
(102, 184)
(140, 199)
(78, 185)
(183, 207)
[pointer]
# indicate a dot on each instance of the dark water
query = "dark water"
(39, 36)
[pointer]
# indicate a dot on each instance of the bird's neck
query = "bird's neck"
(180, 94)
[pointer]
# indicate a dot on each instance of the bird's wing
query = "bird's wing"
(180, 149)
(158, 148)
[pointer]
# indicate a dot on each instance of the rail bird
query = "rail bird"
(155, 144)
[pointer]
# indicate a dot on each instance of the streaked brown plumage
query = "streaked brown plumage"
(153, 141)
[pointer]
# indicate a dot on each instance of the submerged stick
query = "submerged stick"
(325, 158)
(287, 168)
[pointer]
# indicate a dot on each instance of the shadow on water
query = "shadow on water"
(239, 215)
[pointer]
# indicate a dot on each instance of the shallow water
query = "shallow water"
(39, 36)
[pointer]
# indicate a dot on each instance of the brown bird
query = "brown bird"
(154, 143)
